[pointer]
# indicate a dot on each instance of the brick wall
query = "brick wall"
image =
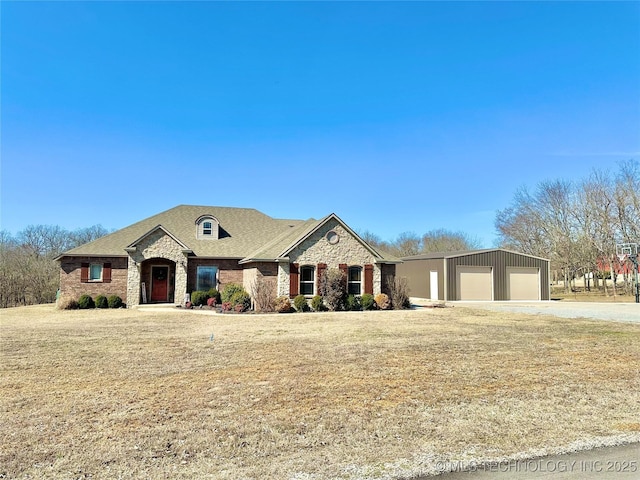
(228, 272)
(72, 287)
(252, 271)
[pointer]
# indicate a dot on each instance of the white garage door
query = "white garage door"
(474, 283)
(523, 283)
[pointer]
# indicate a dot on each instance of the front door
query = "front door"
(159, 283)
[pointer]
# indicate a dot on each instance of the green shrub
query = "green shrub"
(300, 302)
(229, 291)
(114, 301)
(317, 304)
(241, 301)
(353, 303)
(199, 298)
(213, 293)
(101, 302)
(368, 302)
(85, 302)
(283, 305)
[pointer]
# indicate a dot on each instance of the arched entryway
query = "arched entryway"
(158, 276)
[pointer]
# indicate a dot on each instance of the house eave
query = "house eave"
(244, 261)
(213, 257)
(87, 255)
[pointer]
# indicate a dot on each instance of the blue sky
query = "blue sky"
(396, 116)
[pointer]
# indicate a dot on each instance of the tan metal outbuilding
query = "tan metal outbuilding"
(479, 275)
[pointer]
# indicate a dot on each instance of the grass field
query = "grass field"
(581, 294)
(592, 296)
(131, 394)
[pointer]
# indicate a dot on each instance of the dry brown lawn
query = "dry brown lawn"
(131, 394)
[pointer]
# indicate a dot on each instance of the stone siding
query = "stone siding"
(157, 245)
(72, 287)
(317, 249)
(377, 278)
(283, 279)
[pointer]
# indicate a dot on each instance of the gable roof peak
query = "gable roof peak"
(133, 244)
(315, 225)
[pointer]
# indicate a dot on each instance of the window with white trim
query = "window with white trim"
(307, 280)
(207, 228)
(95, 272)
(354, 281)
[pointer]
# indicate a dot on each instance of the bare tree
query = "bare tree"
(399, 292)
(45, 240)
(575, 225)
(627, 201)
(263, 293)
(543, 224)
(375, 241)
(407, 244)
(442, 240)
(596, 217)
(520, 227)
(86, 235)
(28, 272)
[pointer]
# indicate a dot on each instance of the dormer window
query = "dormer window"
(207, 228)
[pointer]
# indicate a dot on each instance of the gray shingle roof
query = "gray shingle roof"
(242, 230)
(282, 245)
(273, 249)
(244, 233)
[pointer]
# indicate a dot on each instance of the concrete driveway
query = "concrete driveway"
(617, 312)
